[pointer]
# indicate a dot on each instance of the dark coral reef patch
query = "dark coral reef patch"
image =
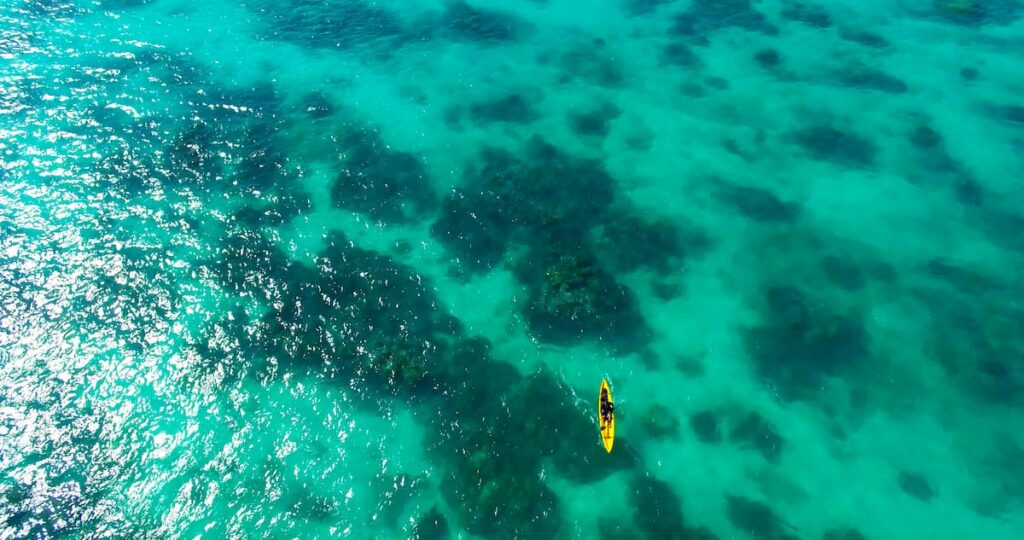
(385, 184)
(756, 203)
(755, 432)
(757, 519)
(347, 24)
(707, 16)
(572, 297)
(802, 341)
(526, 210)
(828, 143)
(465, 22)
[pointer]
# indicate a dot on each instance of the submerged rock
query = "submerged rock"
(661, 421)
(380, 182)
(315, 507)
(643, 7)
(657, 510)
(968, 191)
(755, 432)
(431, 526)
(491, 469)
(815, 16)
(592, 63)
(475, 229)
(594, 123)
(843, 273)
(192, 155)
(530, 199)
(768, 58)
(628, 241)
(961, 11)
(873, 79)
(756, 519)
(571, 298)
(1013, 114)
(346, 24)
(357, 313)
(547, 407)
(705, 426)
(926, 137)
(466, 22)
(512, 109)
(707, 16)
(977, 12)
(757, 204)
(801, 342)
(316, 105)
(276, 211)
(718, 83)
(614, 528)
(916, 486)
(679, 54)
(844, 533)
(863, 37)
(826, 143)
(497, 505)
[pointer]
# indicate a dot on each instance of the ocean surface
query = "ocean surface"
(356, 269)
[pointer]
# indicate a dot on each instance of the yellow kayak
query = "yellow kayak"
(606, 415)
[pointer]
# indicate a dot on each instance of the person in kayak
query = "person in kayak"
(607, 408)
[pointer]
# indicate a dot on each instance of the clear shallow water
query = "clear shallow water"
(303, 269)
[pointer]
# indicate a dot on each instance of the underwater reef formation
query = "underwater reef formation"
(657, 510)
(478, 25)
(391, 335)
(916, 486)
(803, 341)
(231, 298)
(868, 78)
(679, 54)
(643, 7)
(977, 12)
(384, 184)
(865, 38)
(571, 297)
(814, 16)
(512, 109)
(828, 143)
(317, 106)
(567, 246)
(843, 273)
(431, 526)
(768, 58)
(974, 337)
(756, 519)
(939, 168)
(844, 533)
(496, 433)
(661, 421)
(347, 24)
(591, 62)
(705, 426)
(707, 16)
(508, 200)
(594, 122)
(388, 330)
(756, 204)
(753, 431)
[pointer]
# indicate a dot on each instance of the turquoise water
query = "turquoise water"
(344, 268)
